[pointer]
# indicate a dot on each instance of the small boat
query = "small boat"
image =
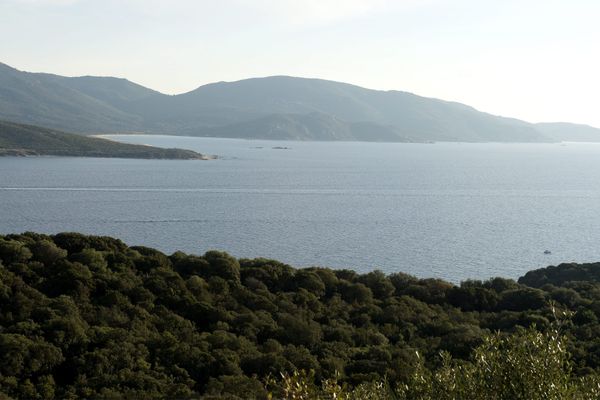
(547, 252)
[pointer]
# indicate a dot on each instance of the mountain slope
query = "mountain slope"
(18, 139)
(414, 116)
(313, 126)
(300, 108)
(566, 132)
(56, 102)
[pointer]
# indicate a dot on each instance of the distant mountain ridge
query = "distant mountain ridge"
(277, 107)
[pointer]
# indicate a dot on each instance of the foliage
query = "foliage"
(527, 365)
(87, 316)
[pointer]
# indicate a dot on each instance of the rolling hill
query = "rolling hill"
(277, 107)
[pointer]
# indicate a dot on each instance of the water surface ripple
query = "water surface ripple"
(454, 211)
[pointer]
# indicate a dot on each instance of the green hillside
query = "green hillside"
(45, 100)
(25, 140)
(90, 317)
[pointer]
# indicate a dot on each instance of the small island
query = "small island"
(28, 140)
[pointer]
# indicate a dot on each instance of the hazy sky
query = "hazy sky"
(530, 59)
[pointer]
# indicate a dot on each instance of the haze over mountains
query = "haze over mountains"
(278, 107)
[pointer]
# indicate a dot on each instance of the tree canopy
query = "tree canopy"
(88, 316)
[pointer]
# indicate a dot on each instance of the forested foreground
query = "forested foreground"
(89, 317)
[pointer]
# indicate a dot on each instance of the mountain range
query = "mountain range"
(277, 107)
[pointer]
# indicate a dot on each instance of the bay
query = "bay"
(454, 211)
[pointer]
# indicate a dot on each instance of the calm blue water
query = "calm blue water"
(453, 211)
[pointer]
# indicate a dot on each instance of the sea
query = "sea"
(454, 211)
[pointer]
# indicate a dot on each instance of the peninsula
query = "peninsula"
(28, 140)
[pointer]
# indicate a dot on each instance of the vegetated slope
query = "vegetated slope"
(19, 139)
(313, 126)
(50, 100)
(85, 316)
(527, 364)
(248, 108)
(562, 275)
(424, 118)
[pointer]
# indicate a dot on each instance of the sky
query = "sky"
(529, 59)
